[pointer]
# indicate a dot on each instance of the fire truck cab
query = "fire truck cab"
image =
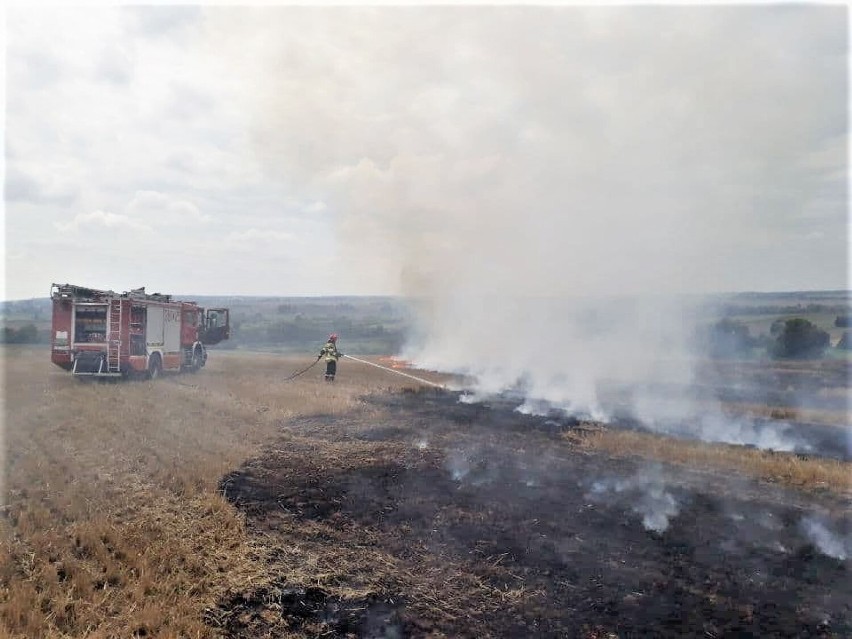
(106, 334)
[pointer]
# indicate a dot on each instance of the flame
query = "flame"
(393, 362)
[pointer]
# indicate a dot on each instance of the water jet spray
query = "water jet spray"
(391, 370)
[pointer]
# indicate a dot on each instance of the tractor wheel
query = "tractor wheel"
(155, 366)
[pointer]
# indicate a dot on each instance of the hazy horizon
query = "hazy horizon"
(400, 296)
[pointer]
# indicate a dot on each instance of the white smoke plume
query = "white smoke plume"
(830, 543)
(458, 465)
(549, 182)
(648, 494)
(477, 465)
(558, 351)
(708, 423)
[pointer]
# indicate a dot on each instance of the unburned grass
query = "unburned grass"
(803, 416)
(112, 524)
(784, 468)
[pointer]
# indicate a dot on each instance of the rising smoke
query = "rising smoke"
(550, 184)
(829, 542)
(647, 493)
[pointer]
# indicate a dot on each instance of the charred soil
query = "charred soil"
(417, 515)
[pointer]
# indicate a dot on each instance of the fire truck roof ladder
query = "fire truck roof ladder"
(114, 337)
(140, 294)
(71, 292)
(82, 293)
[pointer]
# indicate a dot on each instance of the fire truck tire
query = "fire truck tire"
(196, 361)
(155, 366)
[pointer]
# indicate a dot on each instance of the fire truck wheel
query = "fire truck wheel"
(196, 363)
(155, 366)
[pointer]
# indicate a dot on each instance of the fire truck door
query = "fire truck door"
(154, 322)
(216, 326)
(171, 329)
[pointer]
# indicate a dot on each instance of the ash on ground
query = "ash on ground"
(499, 528)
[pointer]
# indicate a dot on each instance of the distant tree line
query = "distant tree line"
(26, 334)
(308, 333)
(34, 309)
(726, 338)
(843, 321)
(795, 338)
(745, 309)
(800, 339)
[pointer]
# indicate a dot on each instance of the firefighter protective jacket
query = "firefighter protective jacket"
(330, 351)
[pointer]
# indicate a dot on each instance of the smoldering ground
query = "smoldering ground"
(498, 526)
(705, 408)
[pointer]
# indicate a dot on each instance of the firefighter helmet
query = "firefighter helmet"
(332, 337)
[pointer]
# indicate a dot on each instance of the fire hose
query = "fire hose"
(391, 370)
(304, 370)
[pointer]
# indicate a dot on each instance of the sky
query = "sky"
(560, 150)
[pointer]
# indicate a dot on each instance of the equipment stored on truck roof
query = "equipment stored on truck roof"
(107, 334)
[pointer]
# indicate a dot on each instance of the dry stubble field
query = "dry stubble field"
(113, 522)
(231, 503)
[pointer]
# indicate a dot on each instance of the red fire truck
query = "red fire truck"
(106, 334)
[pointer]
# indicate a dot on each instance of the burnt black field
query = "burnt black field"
(475, 500)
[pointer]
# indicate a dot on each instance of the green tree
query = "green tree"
(27, 334)
(800, 339)
(728, 338)
(777, 327)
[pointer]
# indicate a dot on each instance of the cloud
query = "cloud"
(39, 69)
(255, 236)
(183, 161)
(24, 187)
(163, 21)
(116, 65)
(189, 103)
(161, 209)
(316, 207)
(101, 220)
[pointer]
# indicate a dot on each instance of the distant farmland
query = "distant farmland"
(381, 325)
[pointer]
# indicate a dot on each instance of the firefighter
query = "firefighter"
(331, 356)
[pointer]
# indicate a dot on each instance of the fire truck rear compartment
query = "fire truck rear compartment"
(90, 323)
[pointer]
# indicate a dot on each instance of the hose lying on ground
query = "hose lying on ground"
(304, 370)
(391, 370)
